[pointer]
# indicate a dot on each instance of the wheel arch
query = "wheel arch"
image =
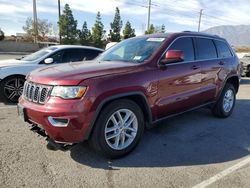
(138, 97)
(234, 80)
(13, 76)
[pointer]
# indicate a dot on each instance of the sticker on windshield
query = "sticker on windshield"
(137, 58)
(155, 39)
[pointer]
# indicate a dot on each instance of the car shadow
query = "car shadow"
(194, 138)
(4, 103)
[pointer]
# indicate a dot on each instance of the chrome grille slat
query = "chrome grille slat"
(36, 93)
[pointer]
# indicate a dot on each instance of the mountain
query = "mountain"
(238, 35)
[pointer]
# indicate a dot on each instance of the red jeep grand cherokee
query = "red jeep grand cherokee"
(131, 86)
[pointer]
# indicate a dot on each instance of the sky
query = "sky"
(176, 15)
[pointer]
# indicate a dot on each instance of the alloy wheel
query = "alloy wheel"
(228, 100)
(121, 129)
(13, 88)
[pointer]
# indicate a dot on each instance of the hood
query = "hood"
(74, 73)
(11, 62)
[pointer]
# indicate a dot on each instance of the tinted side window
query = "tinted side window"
(185, 45)
(205, 49)
(89, 54)
(72, 55)
(57, 57)
(223, 49)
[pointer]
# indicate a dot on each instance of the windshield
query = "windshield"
(134, 50)
(39, 54)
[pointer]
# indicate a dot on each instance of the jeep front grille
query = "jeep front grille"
(36, 93)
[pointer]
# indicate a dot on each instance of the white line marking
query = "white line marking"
(6, 107)
(223, 173)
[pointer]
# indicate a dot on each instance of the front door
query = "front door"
(179, 83)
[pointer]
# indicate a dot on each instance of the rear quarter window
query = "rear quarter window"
(89, 54)
(223, 49)
(205, 49)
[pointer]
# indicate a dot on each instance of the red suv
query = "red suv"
(130, 87)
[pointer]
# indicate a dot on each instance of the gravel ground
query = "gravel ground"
(180, 152)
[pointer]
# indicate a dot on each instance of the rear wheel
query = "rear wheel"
(12, 88)
(118, 129)
(225, 105)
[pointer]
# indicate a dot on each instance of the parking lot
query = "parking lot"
(194, 149)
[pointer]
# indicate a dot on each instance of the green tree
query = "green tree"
(128, 32)
(43, 27)
(160, 29)
(1, 34)
(98, 32)
(150, 30)
(68, 26)
(85, 35)
(116, 26)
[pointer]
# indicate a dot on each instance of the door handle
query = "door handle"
(221, 63)
(194, 67)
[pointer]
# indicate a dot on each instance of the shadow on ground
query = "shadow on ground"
(3, 102)
(195, 138)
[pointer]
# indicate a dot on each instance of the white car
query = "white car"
(109, 45)
(13, 71)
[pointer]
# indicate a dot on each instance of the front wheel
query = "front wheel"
(118, 129)
(225, 105)
(12, 88)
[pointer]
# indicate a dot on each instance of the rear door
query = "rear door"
(179, 83)
(211, 66)
(72, 55)
(226, 59)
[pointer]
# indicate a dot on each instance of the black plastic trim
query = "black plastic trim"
(114, 97)
(179, 113)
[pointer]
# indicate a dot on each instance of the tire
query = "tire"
(225, 105)
(12, 88)
(114, 141)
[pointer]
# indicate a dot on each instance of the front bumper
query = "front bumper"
(76, 111)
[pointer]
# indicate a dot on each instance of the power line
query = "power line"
(134, 3)
(179, 11)
(221, 19)
(174, 7)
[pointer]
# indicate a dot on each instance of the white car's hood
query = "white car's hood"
(12, 62)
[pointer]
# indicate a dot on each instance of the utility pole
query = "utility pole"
(59, 15)
(199, 25)
(149, 12)
(35, 21)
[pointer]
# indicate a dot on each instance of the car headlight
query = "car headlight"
(68, 92)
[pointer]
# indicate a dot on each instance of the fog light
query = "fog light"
(58, 122)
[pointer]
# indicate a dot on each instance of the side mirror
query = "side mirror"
(173, 56)
(48, 60)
